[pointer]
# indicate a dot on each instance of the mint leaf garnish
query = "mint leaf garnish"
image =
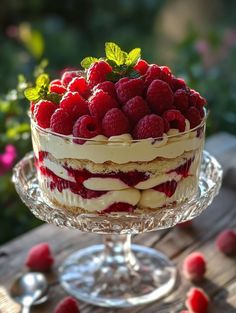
(32, 94)
(133, 56)
(114, 53)
(41, 89)
(86, 62)
(42, 80)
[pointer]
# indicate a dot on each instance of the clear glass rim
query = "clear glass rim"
(72, 138)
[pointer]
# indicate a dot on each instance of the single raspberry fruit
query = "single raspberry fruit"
(128, 89)
(80, 85)
(61, 122)
(57, 88)
(150, 126)
(175, 119)
(177, 83)
(194, 116)
(121, 81)
(160, 96)
(194, 266)
(135, 109)
(181, 100)
(100, 103)
(108, 87)
(154, 72)
(226, 241)
(97, 73)
(67, 305)
(196, 100)
(197, 301)
(68, 76)
(166, 74)
(39, 257)
(43, 111)
(74, 104)
(184, 311)
(86, 127)
(56, 82)
(115, 123)
(141, 67)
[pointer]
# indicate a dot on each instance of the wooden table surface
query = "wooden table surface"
(220, 281)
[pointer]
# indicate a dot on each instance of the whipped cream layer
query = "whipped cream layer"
(118, 149)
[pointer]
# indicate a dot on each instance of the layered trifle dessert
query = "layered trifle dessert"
(120, 136)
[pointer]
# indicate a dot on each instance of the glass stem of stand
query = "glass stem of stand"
(117, 252)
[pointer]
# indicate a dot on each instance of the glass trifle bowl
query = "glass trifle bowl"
(117, 174)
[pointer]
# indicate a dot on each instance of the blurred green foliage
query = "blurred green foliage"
(39, 30)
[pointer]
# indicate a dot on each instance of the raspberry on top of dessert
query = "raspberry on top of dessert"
(115, 95)
(122, 134)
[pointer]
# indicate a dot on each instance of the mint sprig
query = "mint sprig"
(41, 90)
(122, 63)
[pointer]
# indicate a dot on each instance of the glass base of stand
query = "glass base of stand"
(122, 279)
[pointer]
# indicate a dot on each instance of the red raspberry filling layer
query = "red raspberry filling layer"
(60, 184)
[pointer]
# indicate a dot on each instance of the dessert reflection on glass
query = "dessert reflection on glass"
(117, 139)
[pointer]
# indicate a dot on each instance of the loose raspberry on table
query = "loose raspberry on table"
(135, 109)
(150, 126)
(181, 100)
(68, 76)
(100, 103)
(74, 104)
(108, 87)
(175, 119)
(43, 111)
(194, 116)
(86, 127)
(67, 305)
(97, 73)
(160, 96)
(115, 123)
(141, 67)
(62, 122)
(80, 85)
(194, 266)
(197, 301)
(40, 258)
(226, 241)
(128, 89)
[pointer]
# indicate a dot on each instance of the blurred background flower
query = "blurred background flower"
(197, 39)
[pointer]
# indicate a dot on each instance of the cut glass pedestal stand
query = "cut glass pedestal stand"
(116, 273)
